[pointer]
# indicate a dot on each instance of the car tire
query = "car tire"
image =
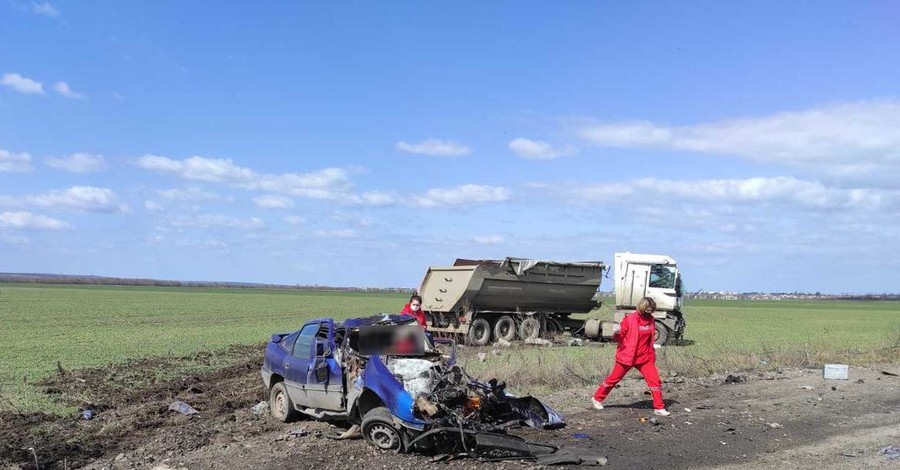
(530, 328)
(379, 430)
(280, 405)
(479, 333)
(505, 329)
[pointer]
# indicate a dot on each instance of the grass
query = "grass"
(82, 326)
(723, 337)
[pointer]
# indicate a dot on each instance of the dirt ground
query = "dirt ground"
(790, 419)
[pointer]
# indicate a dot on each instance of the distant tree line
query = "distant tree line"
(119, 281)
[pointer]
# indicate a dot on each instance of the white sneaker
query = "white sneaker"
(597, 405)
(662, 412)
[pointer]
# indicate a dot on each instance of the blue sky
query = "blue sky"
(357, 144)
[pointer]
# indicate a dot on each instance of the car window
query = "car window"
(288, 343)
(303, 347)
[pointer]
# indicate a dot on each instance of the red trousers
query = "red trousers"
(647, 369)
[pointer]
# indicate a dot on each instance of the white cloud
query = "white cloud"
(78, 163)
(272, 201)
(461, 195)
(371, 198)
(45, 9)
(489, 239)
(853, 139)
(153, 206)
(538, 149)
(295, 220)
(342, 233)
(212, 221)
(22, 84)
(189, 195)
(14, 162)
(63, 89)
(435, 147)
(27, 220)
(78, 198)
(785, 191)
(328, 183)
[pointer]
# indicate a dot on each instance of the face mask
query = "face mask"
(415, 308)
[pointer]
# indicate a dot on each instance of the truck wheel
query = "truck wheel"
(479, 332)
(530, 329)
(661, 335)
(505, 328)
(379, 430)
(280, 404)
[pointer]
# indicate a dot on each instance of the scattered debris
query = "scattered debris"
(482, 356)
(774, 425)
(891, 452)
(833, 389)
(642, 419)
(87, 415)
(884, 372)
(835, 371)
(260, 408)
(576, 342)
(860, 381)
(581, 435)
(688, 423)
(182, 408)
(504, 343)
(735, 379)
(539, 341)
(352, 432)
(654, 421)
(687, 410)
(298, 432)
(852, 453)
(806, 387)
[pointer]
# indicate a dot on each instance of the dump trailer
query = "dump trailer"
(526, 299)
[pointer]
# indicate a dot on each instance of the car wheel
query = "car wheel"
(280, 404)
(379, 430)
(505, 328)
(530, 328)
(479, 332)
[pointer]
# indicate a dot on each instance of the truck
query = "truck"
(527, 299)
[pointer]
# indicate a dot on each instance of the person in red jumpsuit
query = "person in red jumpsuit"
(414, 308)
(635, 349)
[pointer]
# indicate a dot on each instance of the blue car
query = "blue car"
(399, 387)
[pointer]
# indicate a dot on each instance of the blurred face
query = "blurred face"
(648, 310)
(415, 305)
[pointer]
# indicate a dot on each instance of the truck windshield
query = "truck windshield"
(662, 276)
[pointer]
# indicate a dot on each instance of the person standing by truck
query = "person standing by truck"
(414, 308)
(635, 350)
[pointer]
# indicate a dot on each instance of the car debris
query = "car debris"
(891, 452)
(182, 408)
(259, 408)
(401, 391)
(835, 372)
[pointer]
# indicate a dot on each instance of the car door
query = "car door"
(324, 383)
(297, 364)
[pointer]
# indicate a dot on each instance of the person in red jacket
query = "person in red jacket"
(635, 349)
(414, 308)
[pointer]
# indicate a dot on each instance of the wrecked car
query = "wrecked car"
(401, 388)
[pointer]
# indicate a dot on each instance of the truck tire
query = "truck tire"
(479, 333)
(280, 404)
(505, 328)
(661, 335)
(530, 328)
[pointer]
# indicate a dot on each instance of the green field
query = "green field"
(79, 326)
